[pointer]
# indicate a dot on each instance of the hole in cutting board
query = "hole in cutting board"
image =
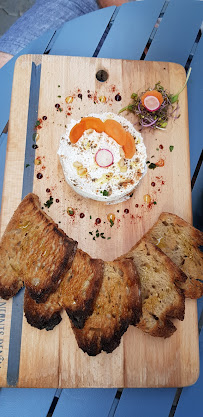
(102, 76)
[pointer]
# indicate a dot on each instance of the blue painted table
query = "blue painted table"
(159, 30)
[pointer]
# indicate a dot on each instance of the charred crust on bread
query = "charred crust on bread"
(43, 322)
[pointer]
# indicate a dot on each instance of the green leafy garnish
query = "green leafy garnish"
(49, 202)
(175, 97)
(37, 123)
(27, 165)
(154, 202)
(111, 223)
(105, 193)
(171, 148)
(152, 166)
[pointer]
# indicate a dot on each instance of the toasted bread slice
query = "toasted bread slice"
(80, 287)
(34, 252)
(117, 305)
(161, 298)
(179, 240)
(76, 294)
(43, 315)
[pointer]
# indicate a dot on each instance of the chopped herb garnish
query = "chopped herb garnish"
(105, 193)
(37, 123)
(152, 166)
(157, 149)
(112, 223)
(91, 233)
(94, 238)
(97, 234)
(171, 148)
(154, 202)
(49, 202)
(103, 237)
(60, 109)
(90, 217)
(148, 162)
(59, 96)
(27, 165)
(108, 238)
(59, 86)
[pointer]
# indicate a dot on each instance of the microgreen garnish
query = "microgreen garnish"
(152, 166)
(175, 97)
(112, 223)
(157, 118)
(105, 193)
(49, 202)
(171, 148)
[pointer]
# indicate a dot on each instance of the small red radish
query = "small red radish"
(104, 158)
(152, 100)
(151, 103)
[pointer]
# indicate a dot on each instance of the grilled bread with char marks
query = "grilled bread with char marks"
(179, 241)
(33, 252)
(76, 294)
(162, 299)
(117, 305)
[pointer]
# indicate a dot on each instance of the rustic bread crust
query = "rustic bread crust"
(179, 241)
(81, 286)
(117, 306)
(30, 240)
(76, 294)
(43, 315)
(161, 298)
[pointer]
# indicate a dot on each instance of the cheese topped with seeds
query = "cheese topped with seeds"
(110, 184)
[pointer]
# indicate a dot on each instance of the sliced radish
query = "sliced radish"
(104, 158)
(151, 103)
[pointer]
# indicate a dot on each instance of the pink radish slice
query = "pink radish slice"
(104, 158)
(151, 103)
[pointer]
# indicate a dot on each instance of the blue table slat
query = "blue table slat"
(84, 402)
(197, 201)
(131, 30)
(195, 93)
(16, 402)
(38, 46)
(3, 145)
(80, 36)
(200, 306)
(190, 403)
(177, 32)
(145, 402)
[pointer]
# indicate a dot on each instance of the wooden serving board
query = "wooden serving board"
(52, 359)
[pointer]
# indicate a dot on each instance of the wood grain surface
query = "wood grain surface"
(52, 359)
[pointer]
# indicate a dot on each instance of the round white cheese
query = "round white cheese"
(111, 184)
